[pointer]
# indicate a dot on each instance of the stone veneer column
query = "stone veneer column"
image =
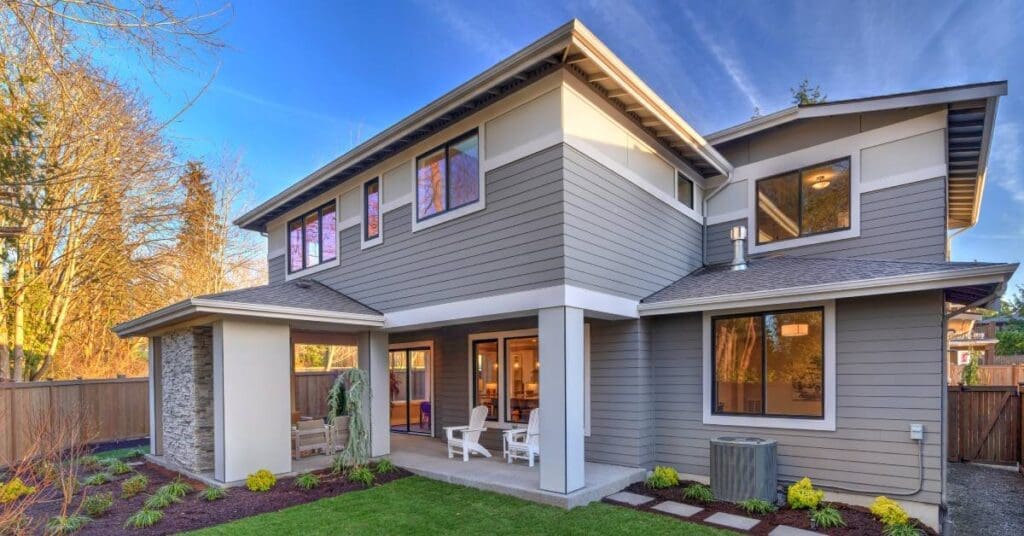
(186, 378)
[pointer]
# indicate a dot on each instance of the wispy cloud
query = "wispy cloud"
(725, 58)
(476, 32)
(267, 103)
(1005, 169)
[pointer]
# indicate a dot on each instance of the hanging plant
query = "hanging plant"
(357, 449)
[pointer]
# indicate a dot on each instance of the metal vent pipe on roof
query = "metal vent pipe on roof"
(738, 235)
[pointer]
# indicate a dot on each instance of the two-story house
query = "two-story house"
(552, 233)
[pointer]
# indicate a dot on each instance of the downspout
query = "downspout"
(704, 212)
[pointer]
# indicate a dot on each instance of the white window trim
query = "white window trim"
(363, 242)
(827, 423)
(500, 336)
(288, 274)
(478, 205)
(430, 373)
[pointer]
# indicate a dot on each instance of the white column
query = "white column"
(560, 330)
(373, 358)
(156, 398)
(252, 398)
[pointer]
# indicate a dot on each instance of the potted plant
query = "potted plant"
(337, 411)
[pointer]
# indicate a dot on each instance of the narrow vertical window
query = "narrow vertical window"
(431, 185)
(329, 229)
(371, 209)
(684, 190)
(295, 245)
(485, 376)
(311, 225)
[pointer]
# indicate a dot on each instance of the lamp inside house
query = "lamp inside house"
(820, 182)
(794, 330)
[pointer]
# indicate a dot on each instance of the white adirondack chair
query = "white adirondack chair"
(468, 440)
(524, 444)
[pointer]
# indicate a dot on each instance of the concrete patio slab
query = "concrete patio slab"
(732, 521)
(428, 457)
(632, 499)
(677, 509)
(786, 530)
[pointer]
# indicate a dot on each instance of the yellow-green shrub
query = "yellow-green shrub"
(261, 480)
(663, 477)
(14, 489)
(802, 495)
(889, 511)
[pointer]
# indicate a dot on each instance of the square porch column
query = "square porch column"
(560, 333)
(373, 358)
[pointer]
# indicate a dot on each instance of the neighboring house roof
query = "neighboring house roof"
(972, 111)
(298, 300)
(784, 279)
(572, 47)
(1001, 319)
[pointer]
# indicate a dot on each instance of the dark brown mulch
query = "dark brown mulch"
(193, 512)
(859, 521)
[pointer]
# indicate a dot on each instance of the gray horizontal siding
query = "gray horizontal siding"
(619, 238)
(276, 269)
(621, 414)
(889, 375)
(515, 244)
(906, 223)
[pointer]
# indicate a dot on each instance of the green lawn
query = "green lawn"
(416, 505)
(122, 453)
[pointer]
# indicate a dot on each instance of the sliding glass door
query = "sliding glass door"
(411, 408)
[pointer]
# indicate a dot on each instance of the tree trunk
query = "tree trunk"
(19, 323)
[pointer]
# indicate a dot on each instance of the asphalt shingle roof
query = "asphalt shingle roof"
(777, 273)
(300, 293)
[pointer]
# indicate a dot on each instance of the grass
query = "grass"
(416, 505)
(123, 454)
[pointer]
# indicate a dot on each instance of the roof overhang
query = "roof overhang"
(987, 279)
(572, 47)
(971, 118)
(187, 310)
(970, 343)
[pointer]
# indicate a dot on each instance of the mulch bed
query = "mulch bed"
(859, 521)
(193, 512)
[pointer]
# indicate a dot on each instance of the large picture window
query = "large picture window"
(312, 238)
(769, 364)
(805, 202)
(506, 374)
(448, 177)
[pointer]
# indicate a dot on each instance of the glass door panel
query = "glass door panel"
(411, 410)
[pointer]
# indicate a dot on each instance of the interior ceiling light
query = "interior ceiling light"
(820, 183)
(794, 330)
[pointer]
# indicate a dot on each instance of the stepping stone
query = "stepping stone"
(632, 499)
(786, 530)
(733, 521)
(677, 509)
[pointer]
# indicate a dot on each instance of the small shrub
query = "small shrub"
(176, 488)
(135, 453)
(261, 480)
(97, 505)
(89, 462)
(134, 486)
(213, 493)
(757, 506)
(65, 524)
(144, 518)
(663, 477)
(159, 501)
(117, 467)
(362, 475)
(385, 466)
(827, 518)
(802, 495)
(901, 529)
(889, 512)
(14, 489)
(307, 481)
(699, 493)
(97, 479)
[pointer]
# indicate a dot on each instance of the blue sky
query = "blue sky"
(298, 86)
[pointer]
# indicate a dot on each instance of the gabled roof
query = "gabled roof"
(789, 279)
(298, 300)
(971, 118)
(571, 47)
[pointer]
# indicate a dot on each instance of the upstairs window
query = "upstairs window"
(371, 209)
(805, 202)
(312, 238)
(684, 190)
(448, 177)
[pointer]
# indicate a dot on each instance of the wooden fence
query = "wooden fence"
(999, 375)
(985, 424)
(109, 410)
(310, 392)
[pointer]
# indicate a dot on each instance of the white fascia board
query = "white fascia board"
(831, 291)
